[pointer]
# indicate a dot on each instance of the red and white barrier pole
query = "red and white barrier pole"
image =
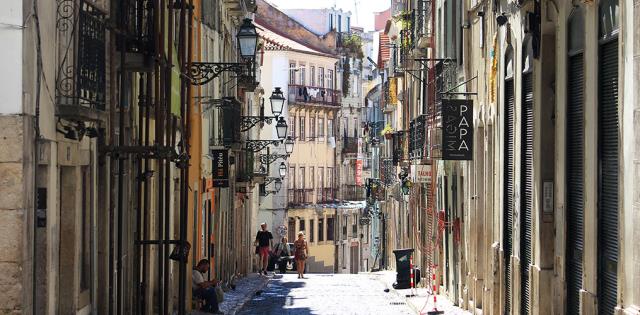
(411, 273)
(434, 284)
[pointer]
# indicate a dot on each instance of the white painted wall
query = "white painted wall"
(11, 34)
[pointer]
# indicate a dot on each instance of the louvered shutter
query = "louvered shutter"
(608, 181)
(575, 181)
(526, 186)
(509, 152)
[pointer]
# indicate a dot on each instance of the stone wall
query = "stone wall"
(13, 217)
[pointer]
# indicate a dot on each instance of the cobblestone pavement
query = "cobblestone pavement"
(326, 294)
(245, 290)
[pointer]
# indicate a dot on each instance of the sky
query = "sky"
(365, 8)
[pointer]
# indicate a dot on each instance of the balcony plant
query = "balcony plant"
(387, 132)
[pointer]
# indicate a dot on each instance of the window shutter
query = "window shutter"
(575, 181)
(526, 186)
(509, 152)
(608, 181)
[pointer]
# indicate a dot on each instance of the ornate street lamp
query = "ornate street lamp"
(247, 39)
(277, 101)
(201, 73)
(283, 170)
(281, 129)
(288, 145)
(278, 184)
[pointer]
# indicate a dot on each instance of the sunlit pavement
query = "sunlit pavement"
(326, 294)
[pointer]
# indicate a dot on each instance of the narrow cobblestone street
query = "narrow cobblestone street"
(326, 294)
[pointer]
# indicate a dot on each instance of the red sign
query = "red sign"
(359, 172)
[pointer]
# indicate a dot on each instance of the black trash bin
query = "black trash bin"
(403, 271)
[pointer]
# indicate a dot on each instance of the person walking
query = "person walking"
(301, 254)
(283, 253)
(264, 241)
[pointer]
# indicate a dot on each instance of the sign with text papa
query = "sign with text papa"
(457, 129)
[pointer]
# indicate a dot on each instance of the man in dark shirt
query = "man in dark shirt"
(264, 241)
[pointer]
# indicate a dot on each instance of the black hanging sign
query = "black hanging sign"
(457, 129)
(220, 170)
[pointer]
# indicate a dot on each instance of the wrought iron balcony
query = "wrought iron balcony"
(324, 195)
(298, 197)
(81, 76)
(418, 144)
(303, 94)
(353, 192)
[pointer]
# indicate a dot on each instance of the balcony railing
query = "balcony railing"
(303, 94)
(325, 195)
(350, 145)
(353, 192)
(299, 196)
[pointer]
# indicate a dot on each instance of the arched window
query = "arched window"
(576, 31)
(527, 54)
(609, 18)
(509, 173)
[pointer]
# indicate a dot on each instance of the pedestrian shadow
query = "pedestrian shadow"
(276, 299)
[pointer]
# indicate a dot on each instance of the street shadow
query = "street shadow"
(276, 299)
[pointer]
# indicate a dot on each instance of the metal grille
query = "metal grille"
(526, 186)
(81, 76)
(575, 181)
(608, 181)
(509, 152)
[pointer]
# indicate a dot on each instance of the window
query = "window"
(348, 23)
(330, 22)
(329, 127)
(312, 75)
(303, 74)
(345, 222)
(302, 135)
(354, 226)
(329, 177)
(312, 176)
(291, 229)
(292, 126)
(330, 229)
(321, 76)
(292, 177)
(302, 227)
(355, 127)
(330, 79)
(312, 128)
(339, 23)
(320, 179)
(292, 73)
(311, 231)
(321, 129)
(321, 230)
(301, 180)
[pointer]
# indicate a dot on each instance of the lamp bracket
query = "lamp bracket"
(259, 145)
(201, 73)
(247, 122)
(270, 180)
(270, 158)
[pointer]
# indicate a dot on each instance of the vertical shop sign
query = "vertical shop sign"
(220, 168)
(457, 129)
(359, 172)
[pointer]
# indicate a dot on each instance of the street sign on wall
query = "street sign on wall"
(220, 168)
(421, 173)
(457, 129)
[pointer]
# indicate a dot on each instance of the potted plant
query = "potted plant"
(387, 132)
